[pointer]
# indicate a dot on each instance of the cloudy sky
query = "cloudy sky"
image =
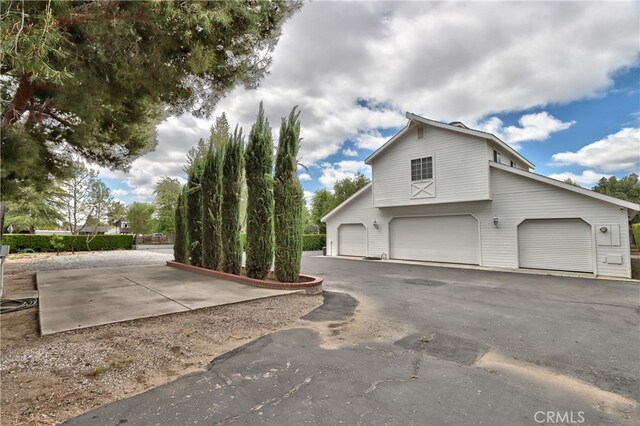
(560, 82)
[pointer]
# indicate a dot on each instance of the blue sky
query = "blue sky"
(558, 81)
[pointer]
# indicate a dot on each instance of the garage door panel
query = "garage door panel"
(555, 244)
(352, 240)
(435, 238)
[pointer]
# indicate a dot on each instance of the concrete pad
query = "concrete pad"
(88, 297)
(195, 290)
(80, 298)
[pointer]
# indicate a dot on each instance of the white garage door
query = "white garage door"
(555, 244)
(436, 238)
(352, 240)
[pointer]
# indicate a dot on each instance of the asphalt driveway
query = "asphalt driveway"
(408, 344)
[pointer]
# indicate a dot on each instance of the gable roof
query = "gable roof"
(347, 201)
(453, 126)
(578, 189)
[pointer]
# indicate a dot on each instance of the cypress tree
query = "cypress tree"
(231, 188)
(258, 165)
(288, 202)
(211, 183)
(181, 241)
(194, 212)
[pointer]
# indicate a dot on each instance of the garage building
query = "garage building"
(445, 193)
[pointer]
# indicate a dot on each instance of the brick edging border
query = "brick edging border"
(309, 283)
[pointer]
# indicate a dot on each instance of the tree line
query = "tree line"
(83, 203)
(324, 201)
(207, 216)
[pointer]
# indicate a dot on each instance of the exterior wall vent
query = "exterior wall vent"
(458, 124)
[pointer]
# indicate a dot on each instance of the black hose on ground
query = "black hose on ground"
(12, 305)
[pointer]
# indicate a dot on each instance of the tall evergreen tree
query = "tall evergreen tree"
(71, 79)
(258, 165)
(288, 202)
(231, 188)
(194, 213)
(211, 183)
(220, 132)
(212, 194)
(181, 241)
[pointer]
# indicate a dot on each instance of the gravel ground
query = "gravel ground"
(97, 259)
(46, 380)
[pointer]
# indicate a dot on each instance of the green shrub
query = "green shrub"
(636, 233)
(57, 243)
(42, 243)
(311, 242)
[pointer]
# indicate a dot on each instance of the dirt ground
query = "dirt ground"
(46, 380)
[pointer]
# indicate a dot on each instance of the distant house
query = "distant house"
(51, 232)
(446, 193)
(119, 227)
(124, 227)
(91, 230)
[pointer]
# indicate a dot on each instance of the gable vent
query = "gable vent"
(420, 132)
(458, 124)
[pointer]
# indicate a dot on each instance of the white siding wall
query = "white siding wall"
(459, 164)
(515, 198)
(359, 210)
(506, 157)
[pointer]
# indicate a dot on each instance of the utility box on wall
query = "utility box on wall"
(608, 235)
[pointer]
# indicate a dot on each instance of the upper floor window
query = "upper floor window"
(420, 132)
(497, 157)
(422, 169)
(513, 164)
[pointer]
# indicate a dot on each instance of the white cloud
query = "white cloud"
(587, 178)
(533, 127)
(348, 152)
(439, 60)
(372, 140)
(331, 173)
(176, 135)
(119, 192)
(443, 62)
(617, 152)
(304, 177)
(308, 196)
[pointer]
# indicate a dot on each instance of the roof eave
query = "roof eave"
(345, 202)
(578, 189)
(413, 117)
(386, 144)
